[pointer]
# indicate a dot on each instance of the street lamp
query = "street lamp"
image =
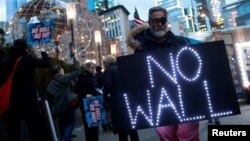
(113, 49)
(71, 15)
(98, 42)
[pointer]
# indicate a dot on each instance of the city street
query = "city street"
(150, 134)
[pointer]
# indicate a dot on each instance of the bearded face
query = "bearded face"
(158, 24)
(159, 33)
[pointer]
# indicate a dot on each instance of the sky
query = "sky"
(2, 10)
(142, 7)
(128, 4)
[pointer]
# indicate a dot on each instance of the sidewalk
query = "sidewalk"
(151, 135)
(144, 135)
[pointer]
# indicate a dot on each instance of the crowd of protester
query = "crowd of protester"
(66, 90)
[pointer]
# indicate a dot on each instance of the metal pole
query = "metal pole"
(99, 52)
(72, 33)
(50, 121)
(57, 51)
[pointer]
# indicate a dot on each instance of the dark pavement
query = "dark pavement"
(150, 134)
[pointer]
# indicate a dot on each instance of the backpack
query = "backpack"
(5, 90)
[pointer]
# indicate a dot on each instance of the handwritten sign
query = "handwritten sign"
(175, 85)
(40, 32)
(94, 111)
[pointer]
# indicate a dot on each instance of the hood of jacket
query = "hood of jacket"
(133, 43)
(132, 39)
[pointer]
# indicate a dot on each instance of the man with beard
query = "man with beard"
(156, 36)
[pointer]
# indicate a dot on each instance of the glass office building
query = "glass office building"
(183, 11)
(100, 5)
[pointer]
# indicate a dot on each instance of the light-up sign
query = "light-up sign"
(39, 32)
(175, 85)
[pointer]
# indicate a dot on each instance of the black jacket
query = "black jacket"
(23, 100)
(86, 84)
(148, 43)
(112, 86)
(140, 39)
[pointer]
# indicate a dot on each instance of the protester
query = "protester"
(86, 87)
(2, 53)
(61, 96)
(99, 77)
(112, 85)
(24, 98)
(155, 36)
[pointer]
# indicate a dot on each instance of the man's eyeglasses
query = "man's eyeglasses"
(162, 20)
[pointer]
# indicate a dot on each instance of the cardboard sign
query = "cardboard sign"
(40, 32)
(176, 85)
(94, 111)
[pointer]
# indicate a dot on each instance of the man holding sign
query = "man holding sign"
(156, 36)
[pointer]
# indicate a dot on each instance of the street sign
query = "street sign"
(175, 85)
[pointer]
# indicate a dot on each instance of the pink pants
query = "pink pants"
(180, 132)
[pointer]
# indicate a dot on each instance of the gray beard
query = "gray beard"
(158, 34)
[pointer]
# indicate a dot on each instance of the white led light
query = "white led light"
(199, 66)
(169, 104)
(165, 101)
(210, 107)
(133, 119)
(172, 77)
(180, 100)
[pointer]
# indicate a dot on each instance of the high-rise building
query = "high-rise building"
(236, 13)
(244, 13)
(182, 11)
(12, 7)
(203, 15)
(100, 5)
(215, 8)
(116, 26)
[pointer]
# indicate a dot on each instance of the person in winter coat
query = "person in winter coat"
(24, 98)
(86, 87)
(61, 98)
(99, 77)
(112, 85)
(155, 36)
(2, 53)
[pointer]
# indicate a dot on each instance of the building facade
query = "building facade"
(115, 25)
(203, 16)
(215, 8)
(236, 13)
(182, 11)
